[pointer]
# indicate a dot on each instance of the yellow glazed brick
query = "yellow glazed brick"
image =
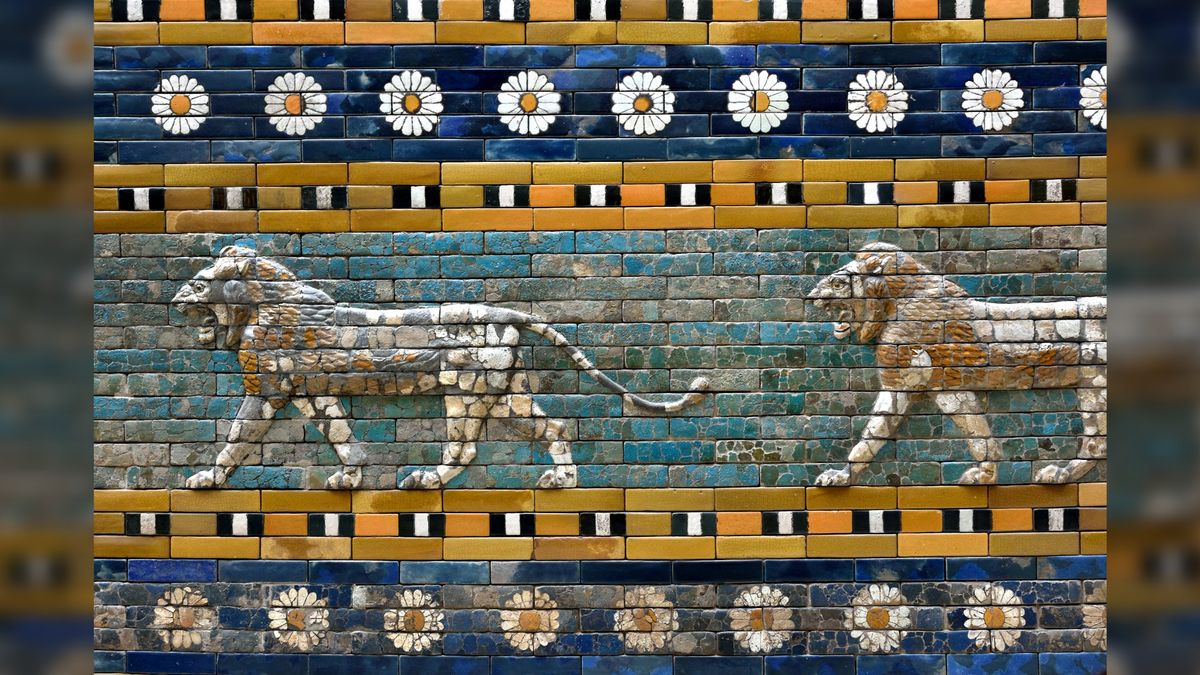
(1093, 494)
(305, 501)
(732, 194)
(488, 548)
(551, 10)
(668, 172)
(329, 173)
(208, 175)
(1030, 29)
(1093, 28)
(107, 546)
(662, 32)
(487, 219)
(852, 546)
(941, 169)
(394, 173)
(125, 34)
(487, 500)
(214, 547)
(735, 10)
(578, 548)
(369, 197)
(669, 499)
(396, 548)
(188, 198)
(580, 499)
(760, 498)
(647, 524)
(572, 32)
(585, 218)
(194, 524)
(392, 220)
(102, 10)
(486, 173)
(644, 10)
(392, 32)
(859, 497)
(1093, 167)
(306, 548)
(670, 548)
(761, 216)
(128, 221)
(553, 173)
(942, 497)
(943, 544)
(938, 31)
(846, 31)
(461, 196)
(556, 524)
(460, 10)
(670, 217)
(299, 33)
(131, 500)
(127, 175)
(104, 199)
(852, 216)
(219, 500)
(205, 32)
(1091, 189)
(1034, 543)
(753, 32)
(480, 32)
(276, 10)
(944, 215)
(757, 170)
(1032, 167)
(916, 192)
(849, 169)
(278, 197)
(921, 521)
(1062, 213)
(1093, 543)
(825, 193)
(108, 523)
(304, 221)
(824, 9)
(368, 10)
(1093, 519)
(212, 221)
(761, 547)
(1093, 213)
(1001, 496)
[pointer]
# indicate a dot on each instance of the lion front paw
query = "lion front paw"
(984, 474)
(558, 477)
(346, 479)
(202, 480)
(834, 478)
(421, 480)
(1052, 474)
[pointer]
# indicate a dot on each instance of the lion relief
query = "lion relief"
(296, 344)
(934, 340)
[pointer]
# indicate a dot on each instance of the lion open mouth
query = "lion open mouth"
(842, 327)
(206, 320)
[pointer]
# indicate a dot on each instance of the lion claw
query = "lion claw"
(346, 479)
(984, 474)
(201, 480)
(834, 478)
(1052, 474)
(558, 477)
(421, 480)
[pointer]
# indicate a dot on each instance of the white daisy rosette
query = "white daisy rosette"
(1095, 625)
(179, 104)
(994, 618)
(760, 619)
(299, 618)
(877, 618)
(1093, 97)
(758, 101)
(295, 103)
(877, 101)
(530, 620)
(528, 103)
(411, 103)
(647, 621)
(991, 99)
(416, 624)
(182, 615)
(643, 103)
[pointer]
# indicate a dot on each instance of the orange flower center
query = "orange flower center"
(1104, 96)
(993, 617)
(181, 104)
(529, 102)
(412, 103)
(296, 618)
(993, 99)
(530, 620)
(761, 101)
(185, 617)
(877, 101)
(878, 618)
(644, 619)
(643, 103)
(413, 620)
(761, 619)
(293, 104)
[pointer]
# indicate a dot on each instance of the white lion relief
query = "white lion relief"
(295, 344)
(932, 339)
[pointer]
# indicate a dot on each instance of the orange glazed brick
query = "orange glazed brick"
(304, 221)
(1033, 495)
(405, 501)
(753, 32)
(734, 10)
(228, 548)
(938, 31)
(552, 10)
(667, 217)
(735, 522)
(368, 10)
(1062, 213)
(386, 33)
(915, 193)
(643, 195)
(731, 195)
(1093, 7)
(852, 216)
(487, 219)
(276, 10)
(578, 218)
(181, 10)
(1094, 214)
(1093, 494)
(487, 500)
(1093, 519)
(944, 215)
(824, 9)
(298, 33)
(556, 524)
(1012, 520)
(578, 548)
(852, 546)
(1006, 190)
(396, 548)
(571, 32)
(1008, 9)
(108, 523)
(376, 525)
(942, 497)
(915, 9)
(461, 10)
(131, 500)
(580, 499)
(760, 498)
(761, 216)
(467, 525)
(302, 174)
(669, 499)
(921, 521)
(943, 544)
(480, 33)
(859, 497)
(283, 525)
(643, 10)
(552, 195)
(577, 172)
(389, 220)
(829, 521)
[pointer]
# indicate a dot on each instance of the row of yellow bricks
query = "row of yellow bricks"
(615, 548)
(595, 32)
(564, 10)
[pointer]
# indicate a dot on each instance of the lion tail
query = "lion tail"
(694, 395)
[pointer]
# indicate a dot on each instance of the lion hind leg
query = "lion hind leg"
(521, 413)
(1093, 444)
(967, 412)
(465, 415)
(249, 426)
(886, 416)
(328, 415)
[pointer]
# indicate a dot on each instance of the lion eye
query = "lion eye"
(200, 286)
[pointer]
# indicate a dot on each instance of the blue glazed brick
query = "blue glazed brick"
(279, 571)
(104, 152)
(172, 570)
(256, 151)
(157, 152)
(717, 571)
(359, 56)
(412, 572)
(444, 665)
(894, 146)
(1073, 567)
(710, 55)
(160, 56)
(125, 80)
(108, 662)
(624, 571)
(900, 569)
(436, 150)
(627, 665)
(522, 665)
(620, 56)
(979, 569)
(893, 55)
(333, 150)
(805, 571)
(711, 148)
(814, 665)
(908, 664)
(809, 147)
(1095, 51)
(253, 57)
(170, 663)
(266, 664)
(803, 55)
(109, 570)
(1000, 145)
(987, 54)
(535, 572)
(440, 55)
(102, 58)
(988, 664)
(345, 664)
(617, 149)
(530, 149)
(1085, 663)
(522, 56)
(347, 572)
(717, 665)
(1071, 144)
